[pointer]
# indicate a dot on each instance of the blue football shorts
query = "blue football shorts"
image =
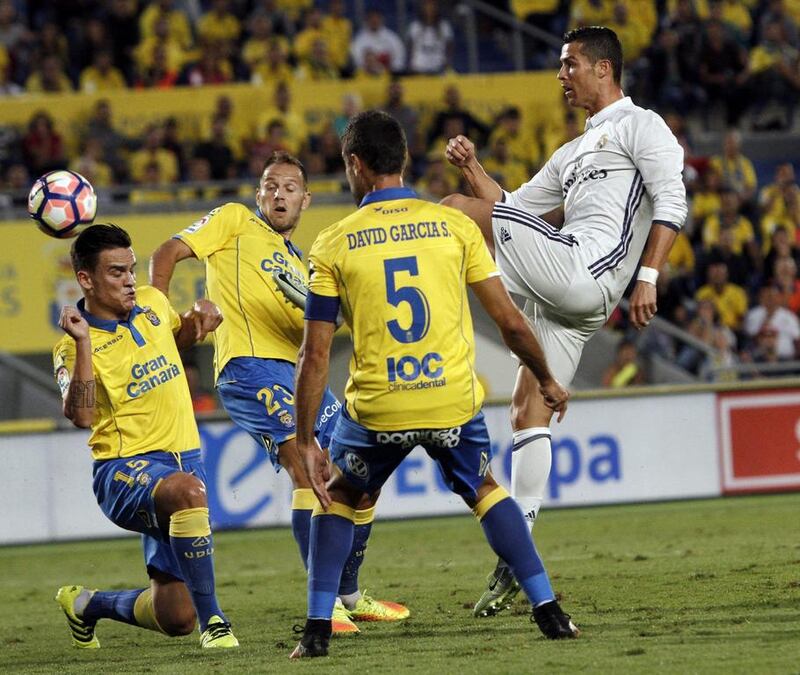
(258, 394)
(367, 458)
(124, 490)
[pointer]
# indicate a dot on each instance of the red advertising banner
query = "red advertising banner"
(759, 441)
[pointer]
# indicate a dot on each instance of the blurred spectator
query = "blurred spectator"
(294, 125)
(236, 127)
(453, 107)
(151, 154)
(765, 350)
(735, 17)
(520, 143)
(589, 13)
(318, 66)
(13, 32)
(152, 188)
(774, 78)
(633, 35)
(408, 117)
(42, 145)
(219, 24)
(338, 32)
(735, 169)
(788, 283)
(49, 77)
(543, 14)
(303, 42)
(706, 201)
(17, 183)
(172, 142)
(176, 22)
(122, 22)
(159, 71)
(327, 151)
(50, 41)
(626, 370)
(274, 139)
(351, 106)
(262, 38)
(429, 40)
(101, 75)
(437, 181)
(160, 51)
(721, 365)
(729, 299)
(730, 218)
(740, 267)
(681, 257)
(114, 144)
(722, 70)
(92, 38)
(275, 69)
(199, 172)
(211, 68)
(90, 164)
(383, 41)
(770, 314)
(667, 79)
(373, 70)
(280, 22)
(706, 325)
(216, 151)
(7, 87)
(779, 204)
(505, 169)
(780, 246)
(775, 11)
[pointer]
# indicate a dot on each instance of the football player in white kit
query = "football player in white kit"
(620, 188)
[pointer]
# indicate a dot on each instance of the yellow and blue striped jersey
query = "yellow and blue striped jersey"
(241, 251)
(399, 267)
(142, 397)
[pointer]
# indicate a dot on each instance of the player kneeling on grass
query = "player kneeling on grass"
(398, 268)
(120, 375)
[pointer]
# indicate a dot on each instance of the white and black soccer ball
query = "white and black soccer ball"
(60, 201)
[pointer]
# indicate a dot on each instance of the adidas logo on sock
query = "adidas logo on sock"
(505, 235)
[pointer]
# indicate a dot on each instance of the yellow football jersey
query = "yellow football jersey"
(399, 267)
(241, 251)
(143, 401)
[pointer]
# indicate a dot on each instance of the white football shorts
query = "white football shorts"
(544, 265)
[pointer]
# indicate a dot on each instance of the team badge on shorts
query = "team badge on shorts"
(144, 479)
(286, 419)
(356, 465)
(152, 317)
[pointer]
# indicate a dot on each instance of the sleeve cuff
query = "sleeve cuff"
(322, 307)
(668, 223)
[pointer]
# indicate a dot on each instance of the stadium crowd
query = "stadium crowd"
(732, 280)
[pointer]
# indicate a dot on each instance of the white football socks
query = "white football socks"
(530, 468)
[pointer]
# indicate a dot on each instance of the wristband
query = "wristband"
(648, 274)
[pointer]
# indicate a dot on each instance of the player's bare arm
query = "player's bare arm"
(460, 153)
(519, 338)
(162, 264)
(643, 299)
(78, 390)
(313, 363)
(203, 318)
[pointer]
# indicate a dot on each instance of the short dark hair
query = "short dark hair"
(283, 157)
(598, 42)
(378, 140)
(92, 241)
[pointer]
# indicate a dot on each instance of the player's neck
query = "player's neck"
(100, 311)
(392, 180)
(603, 100)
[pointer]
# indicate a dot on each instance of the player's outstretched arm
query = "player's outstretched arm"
(519, 338)
(643, 305)
(78, 389)
(460, 152)
(203, 318)
(162, 264)
(313, 363)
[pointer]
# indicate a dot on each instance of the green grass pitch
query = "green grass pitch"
(686, 587)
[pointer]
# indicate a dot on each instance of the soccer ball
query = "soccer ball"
(61, 200)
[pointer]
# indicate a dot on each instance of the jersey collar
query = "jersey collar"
(289, 245)
(388, 194)
(110, 325)
(608, 111)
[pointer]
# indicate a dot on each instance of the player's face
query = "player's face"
(282, 196)
(578, 76)
(110, 288)
(355, 177)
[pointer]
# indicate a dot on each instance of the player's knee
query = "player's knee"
(181, 491)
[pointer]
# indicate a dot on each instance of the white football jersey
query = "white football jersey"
(620, 175)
